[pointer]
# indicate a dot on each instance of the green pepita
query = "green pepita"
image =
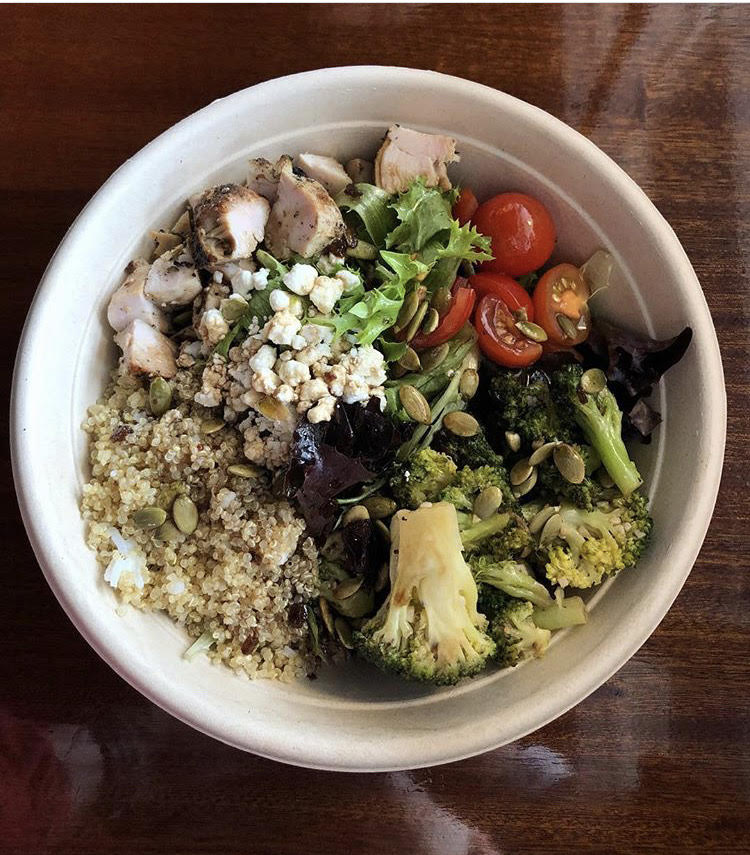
(525, 486)
(185, 514)
(441, 300)
(569, 463)
(469, 383)
(379, 507)
(487, 502)
(169, 493)
(325, 612)
(272, 409)
(159, 396)
(542, 453)
(348, 588)
(147, 518)
(461, 424)
(531, 331)
(415, 404)
(209, 426)
(408, 310)
(539, 520)
(243, 470)
(360, 603)
(344, 632)
(551, 529)
(416, 321)
(593, 381)
(431, 320)
(567, 327)
(433, 356)
(167, 532)
(410, 360)
(355, 514)
(513, 440)
(521, 472)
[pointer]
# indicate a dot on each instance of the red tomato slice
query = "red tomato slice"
(465, 206)
(563, 291)
(522, 231)
(508, 290)
(458, 313)
(499, 340)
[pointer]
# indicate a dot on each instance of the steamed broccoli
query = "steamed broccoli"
(512, 627)
(523, 405)
(429, 627)
(469, 483)
(600, 419)
(422, 477)
(556, 489)
(580, 548)
(474, 453)
(564, 612)
(512, 577)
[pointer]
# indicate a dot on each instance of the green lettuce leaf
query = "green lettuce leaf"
(401, 267)
(423, 212)
(392, 350)
(372, 207)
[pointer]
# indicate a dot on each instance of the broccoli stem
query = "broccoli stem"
(483, 529)
(570, 611)
(514, 579)
(603, 432)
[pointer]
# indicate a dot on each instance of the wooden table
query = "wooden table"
(657, 759)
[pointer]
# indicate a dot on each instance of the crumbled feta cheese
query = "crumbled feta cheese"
(260, 279)
(218, 276)
(311, 354)
(213, 327)
(282, 328)
(245, 278)
(313, 390)
(266, 381)
(300, 279)
(298, 343)
(279, 300)
(264, 358)
(355, 389)
(349, 279)
(367, 362)
(329, 264)
(335, 378)
(285, 394)
(312, 334)
(293, 372)
(323, 410)
(326, 292)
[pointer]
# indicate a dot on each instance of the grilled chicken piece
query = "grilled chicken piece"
(228, 223)
(129, 302)
(326, 170)
(360, 171)
(146, 350)
(263, 176)
(173, 280)
(407, 154)
(304, 219)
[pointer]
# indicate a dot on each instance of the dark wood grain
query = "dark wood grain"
(655, 761)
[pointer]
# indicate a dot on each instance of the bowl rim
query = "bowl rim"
(367, 75)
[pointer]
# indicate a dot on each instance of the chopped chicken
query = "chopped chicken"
(304, 218)
(130, 302)
(407, 154)
(228, 223)
(146, 350)
(360, 171)
(326, 170)
(263, 176)
(171, 282)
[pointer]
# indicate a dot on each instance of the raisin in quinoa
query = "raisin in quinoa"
(246, 565)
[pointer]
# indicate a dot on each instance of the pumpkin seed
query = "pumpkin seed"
(441, 300)
(569, 463)
(379, 507)
(408, 310)
(567, 327)
(531, 331)
(513, 440)
(344, 632)
(358, 605)
(521, 314)
(525, 486)
(347, 588)
(362, 249)
(272, 409)
(210, 426)
(433, 356)
(355, 514)
(383, 576)
(398, 371)
(551, 529)
(415, 404)
(185, 514)
(147, 518)
(537, 443)
(539, 520)
(431, 320)
(410, 360)
(416, 321)
(382, 530)
(168, 532)
(461, 424)
(593, 381)
(521, 472)
(325, 612)
(168, 494)
(487, 502)
(243, 470)
(469, 383)
(542, 453)
(159, 396)
(605, 479)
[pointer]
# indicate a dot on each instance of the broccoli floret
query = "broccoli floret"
(474, 453)
(503, 536)
(556, 489)
(512, 577)
(564, 612)
(524, 406)
(580, 548)
(512, 627)
(422, 477)
(469, 483)
(429, 627)
(600, 419)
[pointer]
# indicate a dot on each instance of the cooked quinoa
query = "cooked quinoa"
(246, 571)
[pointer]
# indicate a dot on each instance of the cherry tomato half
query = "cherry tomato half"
(465, 206)
(523, 234)
(458, 313)
(499, 340)
(563, 293)
(508, 290)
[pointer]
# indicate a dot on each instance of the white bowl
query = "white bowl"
(353, 718)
